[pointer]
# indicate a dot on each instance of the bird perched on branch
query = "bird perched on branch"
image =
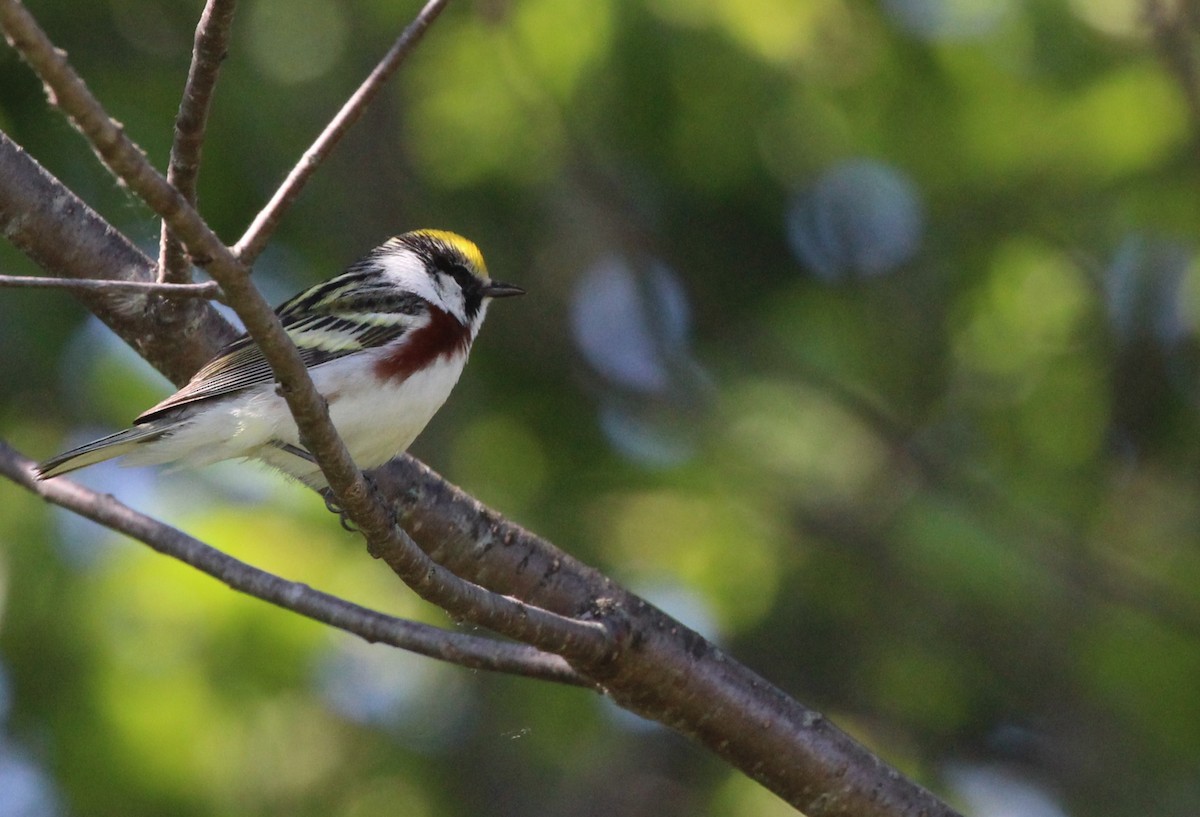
(384, 343)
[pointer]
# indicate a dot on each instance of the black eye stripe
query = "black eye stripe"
(462, 276)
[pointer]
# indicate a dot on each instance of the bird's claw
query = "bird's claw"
(332, 505)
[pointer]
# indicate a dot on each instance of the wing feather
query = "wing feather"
(355, 311)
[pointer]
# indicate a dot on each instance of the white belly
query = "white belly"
(376, 423)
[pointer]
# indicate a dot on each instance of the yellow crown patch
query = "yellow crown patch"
(465, 246)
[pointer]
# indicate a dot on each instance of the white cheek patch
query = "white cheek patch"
(408, 272)
(450, 296)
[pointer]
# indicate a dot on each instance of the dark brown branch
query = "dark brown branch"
(264, 224)
(466, 650)
(208, 289)
(585, 641)
(208, 52)
(674, 675)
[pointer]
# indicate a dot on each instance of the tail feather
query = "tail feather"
(105, 448)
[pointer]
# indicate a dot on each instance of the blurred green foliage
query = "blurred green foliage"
(861, 335)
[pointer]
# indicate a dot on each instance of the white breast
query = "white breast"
(376, 423)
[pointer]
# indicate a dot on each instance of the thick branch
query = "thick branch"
(466, 650)
(264, 224)
(208, 52)
(672, 675)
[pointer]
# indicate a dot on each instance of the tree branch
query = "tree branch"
(209, 289)
(674, 675)
(208, 52)
(473, 652)
(264, 224)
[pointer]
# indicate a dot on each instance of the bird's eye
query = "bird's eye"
(462, 276)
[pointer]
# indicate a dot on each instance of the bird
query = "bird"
(384, 342)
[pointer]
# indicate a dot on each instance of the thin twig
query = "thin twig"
(256, 236)
(590, 643)
(467, 650)
(208, 51)
(209, 289)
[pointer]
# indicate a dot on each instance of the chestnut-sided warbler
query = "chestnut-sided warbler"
(384, 342)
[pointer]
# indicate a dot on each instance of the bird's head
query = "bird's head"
(445, 269)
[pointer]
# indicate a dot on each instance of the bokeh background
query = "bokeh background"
(861, 336)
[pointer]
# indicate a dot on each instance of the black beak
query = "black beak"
(495, 289)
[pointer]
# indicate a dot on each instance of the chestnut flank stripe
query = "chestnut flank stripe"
(442, 336)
